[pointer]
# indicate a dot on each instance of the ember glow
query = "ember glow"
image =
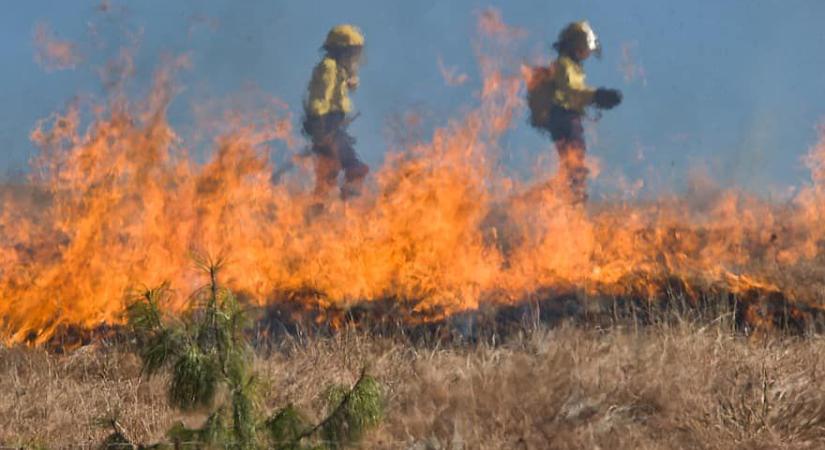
(120, 203)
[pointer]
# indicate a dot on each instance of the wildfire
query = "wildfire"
(120, 204)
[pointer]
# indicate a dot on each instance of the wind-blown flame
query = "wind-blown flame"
(122, 204)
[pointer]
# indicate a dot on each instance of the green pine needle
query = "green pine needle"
(208, 350)
(194, 380)
(285, 428)
(352, 411)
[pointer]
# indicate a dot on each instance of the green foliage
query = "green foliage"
(352, 411)
(208, 353)
(212, 433)
(243, 417)
(161, 347)
(158, 343)
(286, 427)
(205, 352)
(144, 311)
(194, 380)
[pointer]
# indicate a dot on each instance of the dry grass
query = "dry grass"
(679, 386)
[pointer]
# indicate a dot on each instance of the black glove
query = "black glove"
(607, 98)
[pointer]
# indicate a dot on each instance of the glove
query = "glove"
(607, 98)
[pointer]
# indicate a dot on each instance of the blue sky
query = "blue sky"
(734, 86)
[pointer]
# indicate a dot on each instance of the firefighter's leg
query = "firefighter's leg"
(327, 165)
(568, 135)
(326, 175)
(572, 169)
(354, 169)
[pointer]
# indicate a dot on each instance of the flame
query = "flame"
(451, 75)
(53, 53)
(122, 203)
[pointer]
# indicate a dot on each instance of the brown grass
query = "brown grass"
(676, 386)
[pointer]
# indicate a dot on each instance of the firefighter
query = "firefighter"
(557, 97)
(328, 110)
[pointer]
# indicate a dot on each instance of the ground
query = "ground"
(675, 385)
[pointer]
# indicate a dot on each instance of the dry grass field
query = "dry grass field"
(659, 387)
(675, 309)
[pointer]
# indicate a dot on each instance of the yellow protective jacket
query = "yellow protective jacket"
(570, 89)
(328, 91)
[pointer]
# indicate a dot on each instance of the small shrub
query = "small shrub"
(352, 411)
(194, 380)
(286, 427)
(209, 351)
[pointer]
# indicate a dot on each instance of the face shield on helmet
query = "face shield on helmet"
(354, 57)
(346, 43)
(593, 43)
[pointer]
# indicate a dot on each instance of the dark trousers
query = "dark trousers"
(334, 151)
(566, 129)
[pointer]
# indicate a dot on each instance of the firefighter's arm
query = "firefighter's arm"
(578, 93)
(322, 87)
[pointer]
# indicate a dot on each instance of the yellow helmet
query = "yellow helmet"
(344, 36)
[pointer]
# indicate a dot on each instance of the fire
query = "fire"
(53, 53)
(121, 203)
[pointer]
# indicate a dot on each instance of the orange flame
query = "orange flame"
(121, 203)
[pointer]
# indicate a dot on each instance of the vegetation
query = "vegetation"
(209, 357)
(674, 385)
(646, 380)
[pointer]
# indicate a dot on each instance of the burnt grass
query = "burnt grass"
(307, 313)
(751, 311)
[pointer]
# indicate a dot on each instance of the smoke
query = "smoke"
(629, 65)
(52, 53)
(120, 202)
(491, 24)
(451, 75)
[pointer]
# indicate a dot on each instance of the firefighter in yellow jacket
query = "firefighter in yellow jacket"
(557, 97)
(328, 111)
